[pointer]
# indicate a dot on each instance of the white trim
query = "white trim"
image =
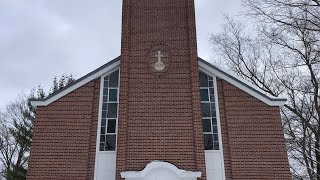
(98, 127)
(159, 164)
(219, 125)
(98, 74)
(242, 84)
(203, 66)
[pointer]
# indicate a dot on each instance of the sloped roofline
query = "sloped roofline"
(240, 83)
(203, 66)
(108, 67)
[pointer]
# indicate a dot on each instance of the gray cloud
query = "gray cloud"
(40, 39)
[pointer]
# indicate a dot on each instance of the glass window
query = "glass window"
(112, 110)
(109, 113)
(114, 79)
(103, 130)
(113, 95)
(203, 80)
(208, 142)
(110, 142)
(206, 124)
(105, 91)
(103, 138)
(101, 147)
(208, 112)
(205, 108)
(204, 94)
(111, 126)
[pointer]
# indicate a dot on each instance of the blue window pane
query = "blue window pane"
(213, 113)
(214, 129)
(214, 121)
(212, 98)
(211, 90)
(103, 122)
(204, 94)
(208, 142)
(103, 130)
(210, 83)
(215, 137)
(112, 110)
(105, 98)
(203, 79)
(216, 145)
(206, 125)
(105, 91)
(114, 79)
(205, 108)
(102, 138)
(110, 143)
(106, 84)
(113, 95)
(101, 148)
(111, 128)
(104, 114)
(104, 106)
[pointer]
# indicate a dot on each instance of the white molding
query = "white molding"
(219, 125)
(157, 165)
(241, 84)
(98, 74)
(98, 127)
(203, 66)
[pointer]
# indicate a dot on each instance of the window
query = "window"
(208, 112)
(109, 115)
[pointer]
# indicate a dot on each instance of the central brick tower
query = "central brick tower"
(160, 115)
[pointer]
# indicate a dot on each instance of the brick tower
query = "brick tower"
(160, 115)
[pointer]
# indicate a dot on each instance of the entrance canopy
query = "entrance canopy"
(158, 170)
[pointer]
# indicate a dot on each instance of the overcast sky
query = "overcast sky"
(41, 39)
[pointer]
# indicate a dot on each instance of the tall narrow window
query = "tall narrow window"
(109, 115)
(208, 110)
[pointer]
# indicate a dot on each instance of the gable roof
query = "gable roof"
(204, 66)
(240, 83)
(108, 67)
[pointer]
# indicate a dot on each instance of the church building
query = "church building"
(158, 112)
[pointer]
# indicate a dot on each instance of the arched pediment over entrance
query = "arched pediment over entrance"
(158, 170)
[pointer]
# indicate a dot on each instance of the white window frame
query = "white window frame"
(100, 117)
(216, 102)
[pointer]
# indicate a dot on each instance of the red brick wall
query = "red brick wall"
(64, 140)
(159, 116)
(252, 136)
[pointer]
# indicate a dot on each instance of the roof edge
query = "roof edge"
(109, 66)
(203, 65)
(241, 83)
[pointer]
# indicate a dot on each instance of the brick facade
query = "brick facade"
(159, 116)
(253, 141)
(64, 139)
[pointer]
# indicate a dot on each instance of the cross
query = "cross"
(159, 65)
(159, 56)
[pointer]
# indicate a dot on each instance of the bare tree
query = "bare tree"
(16, 124)
(15, 135)
(281, 55)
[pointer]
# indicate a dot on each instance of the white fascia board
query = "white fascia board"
(241, 84)
(75, 86)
